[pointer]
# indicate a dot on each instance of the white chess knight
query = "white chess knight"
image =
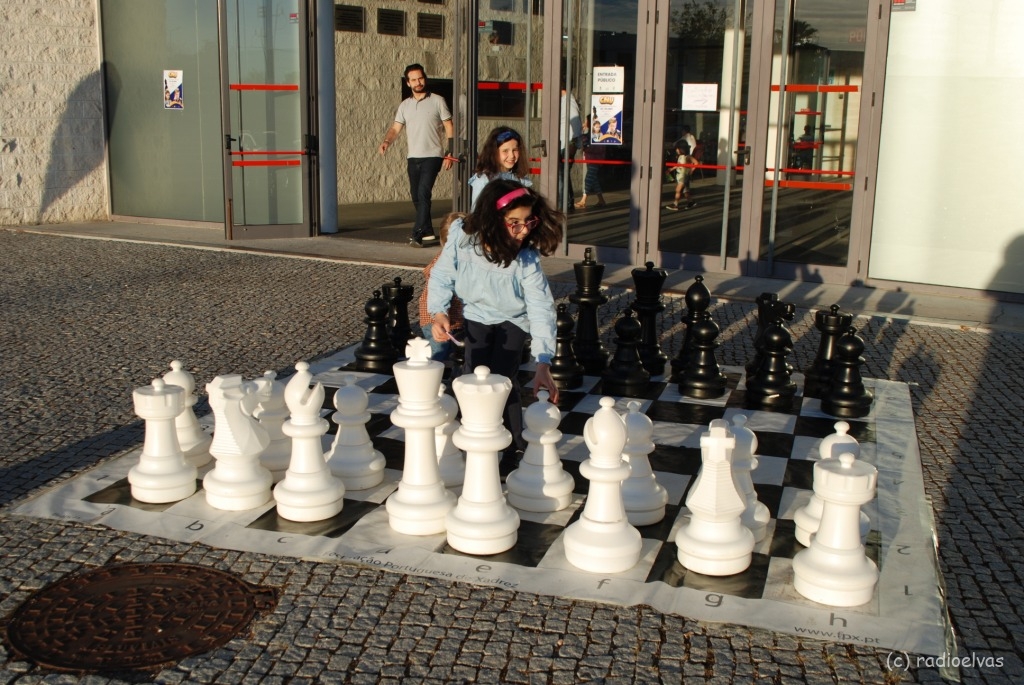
(602, 540)
(450, 460)
(714, 541)
(755, 515)
(834, 570)
(308, 492)
(191, 438)
(808, 517)
(271, 411)
(352, 457)
(645, 499)
(540, 483)
(238, 481)
(421, 503)
(482, 522)
(162, 474)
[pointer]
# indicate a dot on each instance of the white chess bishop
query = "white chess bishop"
(191, 438)
(238, 481)
(421, 503)
(352, 457)
(808, 517)
(715, 542)
(540, 483)
(162, 474)
(645, 499)
(755, 514)
(482, 522)
(271, 411)
(834, 570)
(602, 540)
(308, 492)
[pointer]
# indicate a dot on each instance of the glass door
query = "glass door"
(266, 119)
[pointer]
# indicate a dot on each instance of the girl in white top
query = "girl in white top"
(500, 157)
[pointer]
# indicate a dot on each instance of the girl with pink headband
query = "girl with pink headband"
(493, 261)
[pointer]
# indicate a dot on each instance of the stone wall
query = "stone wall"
(52, 162)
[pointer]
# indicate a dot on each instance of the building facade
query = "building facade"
(841, 141)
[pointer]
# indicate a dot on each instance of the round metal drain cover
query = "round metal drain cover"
(133, 616)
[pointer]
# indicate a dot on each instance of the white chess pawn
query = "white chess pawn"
(193, 441)
(420, 504)
(602, 540)
(352, 457)
(271, 411)
(238, 481)
(162, 474)
(540, 483)
(715, 542)
(482, 522)
(308, 492)
(451, 462)
(808, 517)
(756, 515)
(645, 499)
(834, 570)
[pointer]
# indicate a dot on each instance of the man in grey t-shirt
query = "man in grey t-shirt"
(430, 133)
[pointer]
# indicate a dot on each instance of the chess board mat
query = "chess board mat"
(906, 612)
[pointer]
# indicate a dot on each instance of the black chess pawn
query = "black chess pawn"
(772, 386)
(702, 378)
(565, 370)
(647, 305)
(626, 375)
(590, 352)
(698, 299)
(765, 307)
(376, 354)
(831, 325)
(846, 397)
(398, 297)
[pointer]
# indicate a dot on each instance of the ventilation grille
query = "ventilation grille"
(391, 22)
(349, 18)
(430, 26)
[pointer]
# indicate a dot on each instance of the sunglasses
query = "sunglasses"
(518, 226)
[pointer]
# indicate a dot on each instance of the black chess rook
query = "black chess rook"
(648, 305)
(590, 352)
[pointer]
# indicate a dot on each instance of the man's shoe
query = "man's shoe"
(415, 242)
(428, 240)
(674, 208)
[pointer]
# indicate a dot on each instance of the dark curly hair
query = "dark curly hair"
(485, 225)
(488, 164)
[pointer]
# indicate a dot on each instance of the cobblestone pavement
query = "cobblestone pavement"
(84, 322)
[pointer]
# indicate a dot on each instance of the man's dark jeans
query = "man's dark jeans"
(423, 172)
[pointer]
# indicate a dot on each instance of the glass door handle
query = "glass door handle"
(228, 140)
(543, 147)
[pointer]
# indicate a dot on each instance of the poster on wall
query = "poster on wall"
(606, 119)
(172, 89)
(700, 97)
(609, 79)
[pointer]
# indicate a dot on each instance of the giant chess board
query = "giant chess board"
(906, 611)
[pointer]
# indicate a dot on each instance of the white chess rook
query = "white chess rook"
(540, 483)
(644, 498)
(755, 515)
(193, 441)
(482, 522)
(238, 481)
(420, 504)
(602, 540)
(808, 517)
(271, 411)
(162, 474)
(451, 462)
(834, 570)
(352, 457)
(715, 542)
(308, 492)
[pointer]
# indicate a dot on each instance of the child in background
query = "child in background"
(492, 259)
(440, 350)
(500, 157)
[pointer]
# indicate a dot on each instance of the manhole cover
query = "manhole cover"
(133, 616)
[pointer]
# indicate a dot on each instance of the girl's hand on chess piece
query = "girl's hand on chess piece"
(542, 380)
